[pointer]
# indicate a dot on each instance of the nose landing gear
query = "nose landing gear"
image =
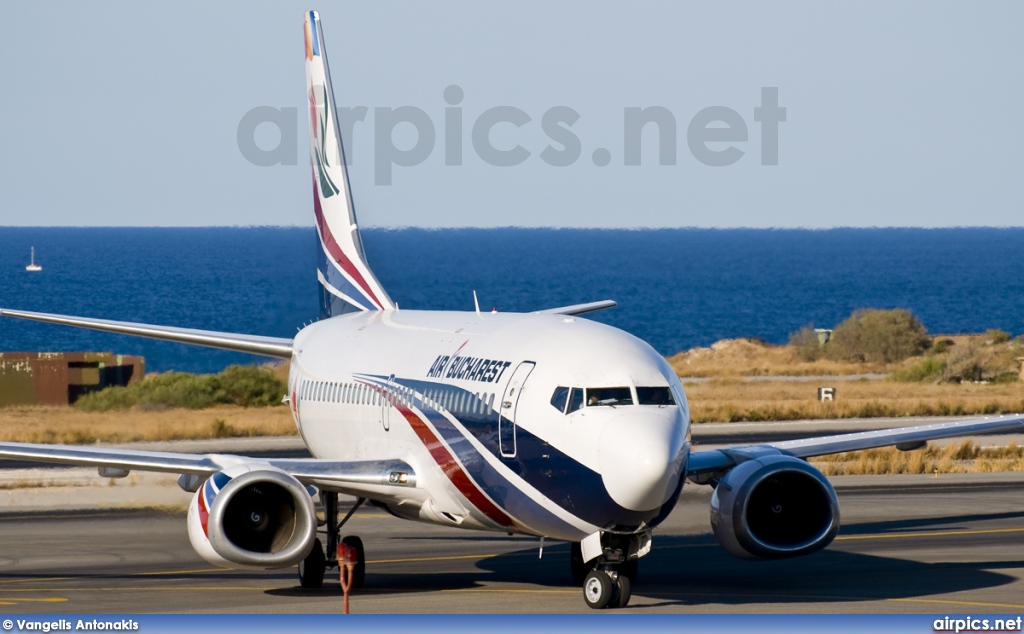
(608, 579)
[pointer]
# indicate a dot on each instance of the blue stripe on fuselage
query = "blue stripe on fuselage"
(563, 480)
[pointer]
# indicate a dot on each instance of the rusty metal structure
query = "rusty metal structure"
(60, 378)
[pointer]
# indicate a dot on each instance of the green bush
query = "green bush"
(962, 364)
(251, 386)
(247, 386)
(806, 344)
(927, 369)
(941, 346)
(1006, 377)
(879, 336)
(996, 335)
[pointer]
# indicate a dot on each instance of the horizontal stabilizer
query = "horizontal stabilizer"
(253, 344)
(578, 309)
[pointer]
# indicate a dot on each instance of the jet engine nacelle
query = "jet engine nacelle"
(252, 517)
(774, 506)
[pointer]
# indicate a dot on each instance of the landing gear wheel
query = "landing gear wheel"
(359, 570)
(598, 589)
(577, 567)
(624, 590)
(630, 569)
(311, 569)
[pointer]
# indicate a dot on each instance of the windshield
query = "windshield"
(599, 396)
(654, 396)
(575, 400)
(559, 398)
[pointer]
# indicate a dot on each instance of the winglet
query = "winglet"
(579, 309)
(346, 282)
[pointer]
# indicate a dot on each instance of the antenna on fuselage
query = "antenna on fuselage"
(476, 303)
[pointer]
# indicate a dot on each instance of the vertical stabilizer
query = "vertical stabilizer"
(346, 282)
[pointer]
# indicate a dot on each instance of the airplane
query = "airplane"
(544, 424)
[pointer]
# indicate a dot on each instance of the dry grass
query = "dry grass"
(965, 457)
(67, 425)
(726, 400)
(280, 369)
(748, 357)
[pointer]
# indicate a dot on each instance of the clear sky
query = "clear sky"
(897, 114)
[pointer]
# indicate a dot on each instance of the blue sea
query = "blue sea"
(676, 288)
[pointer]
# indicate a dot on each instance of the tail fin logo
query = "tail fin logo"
(320, 113)
(346, 281)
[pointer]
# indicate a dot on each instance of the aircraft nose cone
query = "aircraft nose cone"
(641, 457)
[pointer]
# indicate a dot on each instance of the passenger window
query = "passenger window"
(575, 400)
(654, 396)
(559, 398)
(599, 396)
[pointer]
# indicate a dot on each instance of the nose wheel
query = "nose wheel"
(608, 579)
(607, 589)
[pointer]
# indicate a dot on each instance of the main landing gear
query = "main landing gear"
(312, 568)
(608, 579)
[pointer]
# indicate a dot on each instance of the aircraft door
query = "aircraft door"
(386, 402)
(507, 409)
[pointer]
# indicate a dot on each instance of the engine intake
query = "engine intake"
(261, 518)
(774, 506)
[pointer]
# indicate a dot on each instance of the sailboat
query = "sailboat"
(33, 266)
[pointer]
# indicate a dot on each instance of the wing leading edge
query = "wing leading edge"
(253, 344)
(342, 475)
(702, 462)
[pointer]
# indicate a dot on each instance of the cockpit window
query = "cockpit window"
(559, 398)
(575, 400)
(654, 396)
(597, 396)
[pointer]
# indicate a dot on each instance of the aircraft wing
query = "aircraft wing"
(578, 309)
(253, 344)
(702, 462)
(341, 475)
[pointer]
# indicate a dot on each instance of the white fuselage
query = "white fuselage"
(466, 399)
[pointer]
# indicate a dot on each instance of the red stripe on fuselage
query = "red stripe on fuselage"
(335, 250)
(451, 468)
(454, 471)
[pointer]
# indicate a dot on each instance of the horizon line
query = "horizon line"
(535, 227)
